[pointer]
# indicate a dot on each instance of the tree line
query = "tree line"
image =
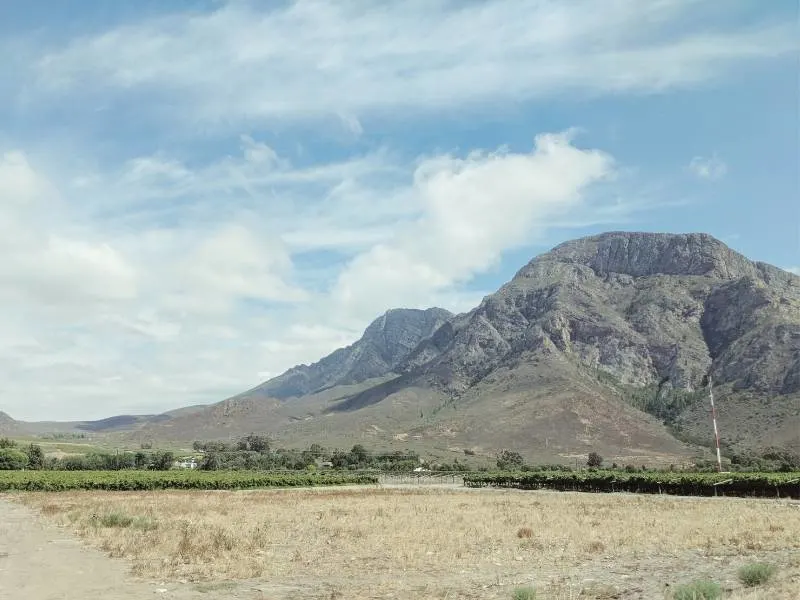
(256, 452)
(16, 457)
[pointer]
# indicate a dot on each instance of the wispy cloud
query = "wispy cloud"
(193, 310)
(474, 209)
(711, 168)
(345, 59)
(158, 251)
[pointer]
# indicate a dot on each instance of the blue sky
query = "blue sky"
(197, 195)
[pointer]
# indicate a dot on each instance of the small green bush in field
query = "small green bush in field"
(524, 593)
(756, 574)
(115, 519)
(698, 590)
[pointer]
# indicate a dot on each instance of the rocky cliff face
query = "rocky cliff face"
(385, 343)
(644, 308)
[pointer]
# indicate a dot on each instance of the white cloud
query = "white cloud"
(712, 168)
(473, 210)
(42, 263)
(343, 59)
(138, 280)
(124, 311)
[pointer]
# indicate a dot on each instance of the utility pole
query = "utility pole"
(714, 421)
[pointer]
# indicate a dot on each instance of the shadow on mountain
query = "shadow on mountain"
(373, 395)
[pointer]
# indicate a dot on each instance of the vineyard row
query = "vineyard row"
(163, 480)
(780, 485)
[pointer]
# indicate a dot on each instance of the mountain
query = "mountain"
(602, 344)
(115, 424)
(643, 308)
(7, 424)
(645, 316)
(385, 344)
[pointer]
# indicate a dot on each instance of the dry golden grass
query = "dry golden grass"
(429, 543)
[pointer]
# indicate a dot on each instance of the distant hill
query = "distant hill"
(601, 344)
(119, 423)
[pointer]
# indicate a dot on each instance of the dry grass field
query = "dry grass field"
(416, 543)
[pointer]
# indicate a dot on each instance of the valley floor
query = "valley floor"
(404, 542)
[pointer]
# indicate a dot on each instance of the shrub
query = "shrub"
(162, 461)
(509, 461)
(756, 574)
(12, 459)
(698, 590)
(115, 519)
(524, 532)
(595, 546)
(35, 457)
(594, 460)
(254, 443)
(524, 593)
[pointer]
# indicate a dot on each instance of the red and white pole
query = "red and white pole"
(714, 420)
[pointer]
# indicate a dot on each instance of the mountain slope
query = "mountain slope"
(385, 343)
(7, 424)
(642, 307)
(603, 343)
(115, 424)
(650, 314)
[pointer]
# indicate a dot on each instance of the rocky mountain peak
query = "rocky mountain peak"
(385, 343)
(645, 308)
(395, 333)
(640, 254)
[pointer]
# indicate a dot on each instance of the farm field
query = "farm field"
(429, 543)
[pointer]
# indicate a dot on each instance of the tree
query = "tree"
(140, 460)
(509, 461)
(317, 451)
(35, 457)
(594, 460)
(339, 460)
(211, 461)
(359, 455)
(254, 443)
(162, 461)
(12, 459)
(7, 443)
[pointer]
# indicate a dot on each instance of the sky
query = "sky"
(198, 195)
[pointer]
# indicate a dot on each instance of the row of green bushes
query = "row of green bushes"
(783, 485)
(162, 480)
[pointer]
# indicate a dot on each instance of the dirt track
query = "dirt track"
(39, 562)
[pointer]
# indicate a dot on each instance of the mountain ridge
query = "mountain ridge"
(385, 342)
(601, 343)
